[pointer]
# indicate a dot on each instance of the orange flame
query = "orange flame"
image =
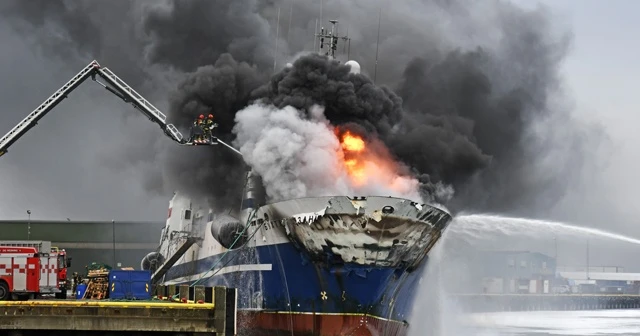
(353, 148)
(352, 143)
(371, 163)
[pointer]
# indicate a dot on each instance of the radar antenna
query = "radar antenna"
(332, 37)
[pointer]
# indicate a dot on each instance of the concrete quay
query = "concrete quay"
(179, 310)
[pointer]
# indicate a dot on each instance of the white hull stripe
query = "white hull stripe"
(220, 271)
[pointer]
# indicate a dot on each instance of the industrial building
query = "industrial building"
(113, 243)
(526, 272)
(516, 272)
(597, 282)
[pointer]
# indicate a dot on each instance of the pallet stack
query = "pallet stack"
(98, 286)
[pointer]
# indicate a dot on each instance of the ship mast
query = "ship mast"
(332, 40)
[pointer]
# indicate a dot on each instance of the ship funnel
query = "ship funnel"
(254, 195)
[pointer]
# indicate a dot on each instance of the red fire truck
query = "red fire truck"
(31, 268)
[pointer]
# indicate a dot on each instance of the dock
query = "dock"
(199, 310)
(533, 302)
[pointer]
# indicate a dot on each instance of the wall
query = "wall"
(515, 265)
(480, 271)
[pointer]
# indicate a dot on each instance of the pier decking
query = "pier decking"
(206, 310)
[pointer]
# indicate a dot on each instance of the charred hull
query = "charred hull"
(323, 261)
(375, 231)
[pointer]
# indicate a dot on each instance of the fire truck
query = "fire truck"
(29, 269)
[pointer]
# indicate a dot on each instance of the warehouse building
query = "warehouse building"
(112, 243)
(602, 282)
(517, 272)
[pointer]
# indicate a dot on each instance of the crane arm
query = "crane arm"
(116, 86)
(32, 119)
(129, 95)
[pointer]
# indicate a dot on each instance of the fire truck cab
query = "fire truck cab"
(29, 269)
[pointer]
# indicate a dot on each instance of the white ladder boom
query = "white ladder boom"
(119, 88)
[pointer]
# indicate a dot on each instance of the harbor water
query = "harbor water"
(573, 323)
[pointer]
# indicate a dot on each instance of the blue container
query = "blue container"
(80, 289)
(130, 285)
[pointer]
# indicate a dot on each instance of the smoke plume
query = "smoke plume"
(462, 95)
(295, 153)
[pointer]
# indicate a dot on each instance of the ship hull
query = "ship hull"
(258, 323)
(280, 291)
(321, 266)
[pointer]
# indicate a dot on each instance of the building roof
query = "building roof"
(601, 276)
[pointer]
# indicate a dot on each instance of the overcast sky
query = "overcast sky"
(600, 75)
(60, 168)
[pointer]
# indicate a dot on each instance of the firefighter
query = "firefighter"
(198, 129)
(208, 128)
(76, 281)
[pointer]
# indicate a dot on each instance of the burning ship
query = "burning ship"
(330, 265)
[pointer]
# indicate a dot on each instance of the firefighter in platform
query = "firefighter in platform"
(208, 128)
(198, 129)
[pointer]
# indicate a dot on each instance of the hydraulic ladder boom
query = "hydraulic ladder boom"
(32, 119)
(116, 86)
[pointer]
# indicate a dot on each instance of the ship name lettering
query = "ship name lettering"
(306, 219)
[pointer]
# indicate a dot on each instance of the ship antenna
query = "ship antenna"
(321, 5)
(332, 37)
(315, 37)
(375, 70)
(289, 28)
(275, 54)
(347, 44)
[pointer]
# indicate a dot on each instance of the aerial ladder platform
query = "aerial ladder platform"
(114, 85)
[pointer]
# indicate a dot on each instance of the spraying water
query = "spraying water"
(488, 226)
(435, 315)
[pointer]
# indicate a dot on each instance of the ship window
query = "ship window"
(544, 265)
(210, 218)
(511, 263)
(523, 264)
(187, 214)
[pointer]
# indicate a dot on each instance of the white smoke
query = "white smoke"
(295, 157)
(299, 157)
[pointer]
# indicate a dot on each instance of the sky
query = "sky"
(63, 168)
(58, 169)
(599, 74)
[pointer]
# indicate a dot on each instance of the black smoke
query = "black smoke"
(220, 89)
(467, 104)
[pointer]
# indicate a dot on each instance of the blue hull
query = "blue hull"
(295, 284)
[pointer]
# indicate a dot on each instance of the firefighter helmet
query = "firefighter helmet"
(210, 116)
(201, 116)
